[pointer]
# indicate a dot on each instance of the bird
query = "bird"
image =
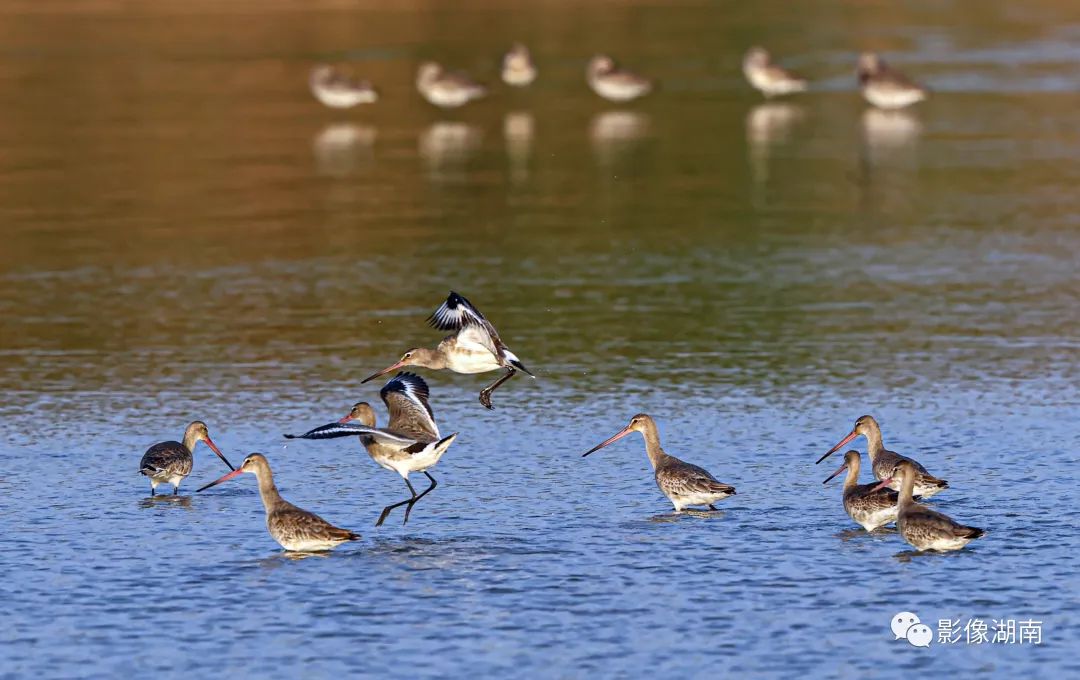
(684, 484)
(923, 528)
(885, 87)
(518, 69)
(295, 529)
(169, 462)
(770, 79)
(882, 461)
(409, 443)
(868, 504)
(337, 90)
(446, 89)
(473, 347)
(613, 83)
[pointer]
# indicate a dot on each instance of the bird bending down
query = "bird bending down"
(295, 529)
(870, 505)
(923, 528)
(768, 78)
(684, 484)
(170, 462)
(409, 443)
(473, 347)
(882, 461)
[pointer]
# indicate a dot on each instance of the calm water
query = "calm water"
(187, 234)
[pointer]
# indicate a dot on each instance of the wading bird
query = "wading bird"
(337, 90)
(518, 69)
(295, 529)
(613, 83)
(768, 78)
(870, 505)
(409, 443)
(170, 462)
(474, 347)
(684, 484)
(446, 89)
(923, 528)
(882, 461)
(885, 87)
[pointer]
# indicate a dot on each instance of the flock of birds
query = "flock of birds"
(881, 85)
(411, 442)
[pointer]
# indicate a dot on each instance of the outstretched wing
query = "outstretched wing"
(406, 398)
(336, 430)
(456, 313)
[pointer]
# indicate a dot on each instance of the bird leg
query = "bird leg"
(387, 509)
(712, 507)
(152, 493)
(417, 499)
(485, 394)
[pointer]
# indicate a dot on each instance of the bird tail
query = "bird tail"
(521, 367)
(971, 532)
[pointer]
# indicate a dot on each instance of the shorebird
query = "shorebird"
(409, 443)
(870, 505)
(445, 89)
(882, 461)
(614, 83)
(518, 69)
(923, 528)
(337, 90)
(684, 484)
(771, 80)
(169, 462)
(295, 529)
(885, 87)
(473, 347)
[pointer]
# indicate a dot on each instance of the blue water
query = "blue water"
(187, 235)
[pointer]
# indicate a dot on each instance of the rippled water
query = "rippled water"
(188, 235)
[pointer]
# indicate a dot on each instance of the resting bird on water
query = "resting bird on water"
(474, 347)
(684, 484)
(170, 462)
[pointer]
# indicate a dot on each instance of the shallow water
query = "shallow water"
(188, 235)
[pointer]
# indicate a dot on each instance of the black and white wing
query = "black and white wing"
(455, 314)
(406, 398)
(336, 430)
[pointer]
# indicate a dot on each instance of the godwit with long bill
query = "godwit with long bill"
(295, 529)
(473, 347)
(882, 461)
(170, 462)
(684, 484)
(409, 443)
(870, 505)
(923, 528)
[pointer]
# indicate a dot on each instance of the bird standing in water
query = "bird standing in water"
(923, 528)
(295, 529)
(169, 462)
(684, 484)
(409, 443)
(473, 347)
(870, 505)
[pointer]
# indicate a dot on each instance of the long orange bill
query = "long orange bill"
(843, 441)
(347, 418)
(215, 449)
(884, 483)
(620, 435)
(234, 473)
(400, 364)
(841, 469)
